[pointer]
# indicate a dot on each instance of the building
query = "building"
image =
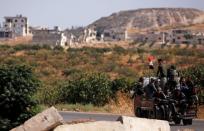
(147, 36)
(181, 36)
(175, 36)
(199, 37)
(110, 35)
(52, 37)
(4, 34)
(15, 27)
(90, 35)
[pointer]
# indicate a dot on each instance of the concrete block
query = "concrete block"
(93, 126)
(123, 124)
(44, 121)
(142, 124)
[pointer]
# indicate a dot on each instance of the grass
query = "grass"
(79, 108)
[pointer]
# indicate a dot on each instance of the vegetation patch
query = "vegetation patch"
(18, 85)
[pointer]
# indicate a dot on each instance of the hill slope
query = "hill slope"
(148, 19)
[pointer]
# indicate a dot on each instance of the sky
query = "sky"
(67, 13)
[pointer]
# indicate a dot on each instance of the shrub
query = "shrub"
(49, 95)
(5, 47)
(182, 52)
(58, 48)
(21, 47)
(30, 47)
(122, 84)
(109, 66)
(45, 46)
(126, 71)
(94, 88)
(196, 73)
(14, 60)
(71, 71)
(119, 50)
(141, 51)
(96, 61)
(17, 87)
(90, 51)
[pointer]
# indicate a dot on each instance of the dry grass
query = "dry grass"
(201, 112)
(123, 105)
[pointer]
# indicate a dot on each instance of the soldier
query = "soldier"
(150, 89)
(172, 77)
(189, 82)
(138, 88)
(183, 86)
(161, 74)
(191, 94)
(180, 99)
(159, 97)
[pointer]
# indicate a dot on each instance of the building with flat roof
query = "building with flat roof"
(16, 26)
(52, 37)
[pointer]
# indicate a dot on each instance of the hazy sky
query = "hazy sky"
(66, 13)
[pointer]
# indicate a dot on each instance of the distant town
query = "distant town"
(17, 28)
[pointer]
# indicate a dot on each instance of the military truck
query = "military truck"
(148, 108)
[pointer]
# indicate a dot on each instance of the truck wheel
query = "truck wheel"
(190, 121)
(157, 113)
(169, 115)
(187, 121)
(138, 112)
(177, 121)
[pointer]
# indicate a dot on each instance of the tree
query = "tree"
(17, 87)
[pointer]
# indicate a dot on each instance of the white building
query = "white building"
(90, 35)
(15, 27)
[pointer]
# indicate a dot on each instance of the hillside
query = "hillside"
(56, 68)
(149, 19)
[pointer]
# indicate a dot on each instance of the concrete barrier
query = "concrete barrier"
(44, 121)
(93, 126)
(50, 118)
(123, 124)
(142, 124)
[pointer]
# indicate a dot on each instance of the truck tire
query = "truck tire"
(138, 112)
(190, 121)
(177, 120)
(157, 112)
(187, 121)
